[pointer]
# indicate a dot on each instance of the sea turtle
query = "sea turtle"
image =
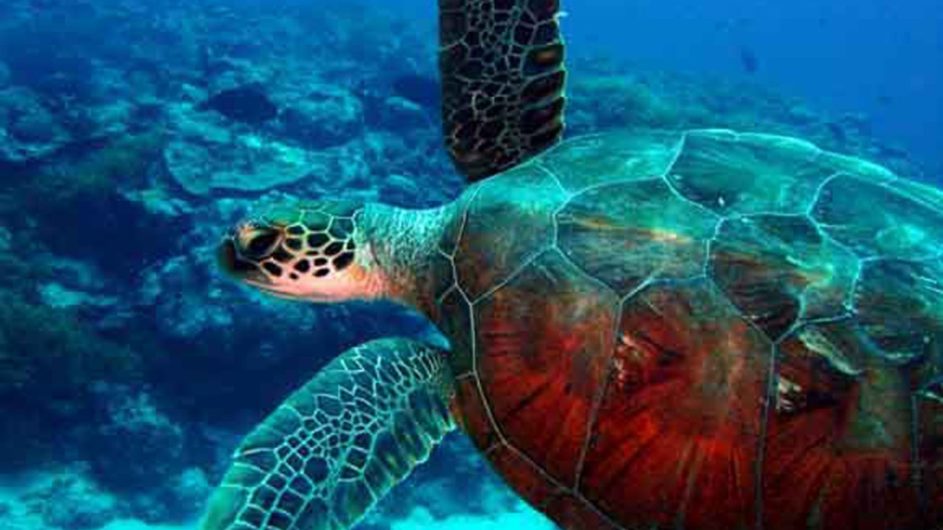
(648, 329)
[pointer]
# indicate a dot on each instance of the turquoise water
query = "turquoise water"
(133, 135)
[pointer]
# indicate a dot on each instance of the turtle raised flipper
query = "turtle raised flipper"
(338, 444)
(502, 82)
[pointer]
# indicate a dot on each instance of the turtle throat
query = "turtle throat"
(405, 249)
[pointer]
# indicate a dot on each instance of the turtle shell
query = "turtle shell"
(703, 330)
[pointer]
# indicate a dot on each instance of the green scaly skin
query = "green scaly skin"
(404, 246)
(339, 443)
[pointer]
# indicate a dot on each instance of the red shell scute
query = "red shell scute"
(719, 332)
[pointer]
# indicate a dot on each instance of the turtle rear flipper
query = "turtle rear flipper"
(338, 444)
(502, 82)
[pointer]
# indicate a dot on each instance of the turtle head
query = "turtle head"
(314, 252)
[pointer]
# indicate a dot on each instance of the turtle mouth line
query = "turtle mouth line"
(268, 288)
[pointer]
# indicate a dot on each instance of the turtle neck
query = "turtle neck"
(405, 252)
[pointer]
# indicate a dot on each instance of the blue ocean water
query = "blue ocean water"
(133, 135)
(873, 57)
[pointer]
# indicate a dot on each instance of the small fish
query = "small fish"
(749, 60)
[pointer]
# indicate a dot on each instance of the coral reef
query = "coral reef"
(325, 117)
(71, 502)
(90, 172)
(29, 128)
(136, 445)
(48, 358)
(46, 350)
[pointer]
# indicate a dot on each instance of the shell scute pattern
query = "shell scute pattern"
(628, 234)
(509, 222)
(681, 417)
(779, 269)
(533, 354)
(841, 428)
(808, 351)
(903, 227)
(863, 169)
(732, 173)
(900, 307)
(596, 160)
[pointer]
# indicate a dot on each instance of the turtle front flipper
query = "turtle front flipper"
(338, 444)
(502, 81)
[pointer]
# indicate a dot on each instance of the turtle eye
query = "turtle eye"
(258, 243)
(262, 245)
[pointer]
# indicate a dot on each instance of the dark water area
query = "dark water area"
(134, 135)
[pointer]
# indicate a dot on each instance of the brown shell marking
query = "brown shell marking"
(680, 420)
(836, 439)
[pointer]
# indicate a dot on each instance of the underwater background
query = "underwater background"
(133, 134)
